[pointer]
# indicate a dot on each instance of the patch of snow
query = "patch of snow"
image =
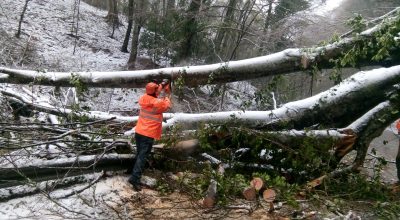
(48, 25)
(90, 204)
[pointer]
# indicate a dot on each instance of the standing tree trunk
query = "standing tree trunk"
(112, 16)
(227, 23)
(190, 26)
(139, 21)
(75, 23)
(244, 25)
(124, 47)
(267, 25)
(18, 34)
(135, 45)
(170, 8)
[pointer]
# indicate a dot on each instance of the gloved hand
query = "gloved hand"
(167, 89)
(166, 86)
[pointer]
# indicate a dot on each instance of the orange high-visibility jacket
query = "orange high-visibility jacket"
(398, 126)
(150, 116)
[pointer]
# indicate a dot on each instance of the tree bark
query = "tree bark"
(124, 47)
(190, 26)
(226, 24)
(18, 34)
(135, 46)
(112, 15)
(359, 93)
(372, 124)
(14, 173)
(139, 22)
(46, 186)
(266, 27)
(170, 8)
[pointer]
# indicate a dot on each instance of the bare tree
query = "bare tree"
(22, 18)
(140, 13)
(124, 47)
(75, 23)
(112, 15)
(267, 24)
(228, 22)
(169, 8)
(190, 25)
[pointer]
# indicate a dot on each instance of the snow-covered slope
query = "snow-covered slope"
(47, 30)
(48, 25)
(47, 33)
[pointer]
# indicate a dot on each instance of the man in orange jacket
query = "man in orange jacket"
(149, 126)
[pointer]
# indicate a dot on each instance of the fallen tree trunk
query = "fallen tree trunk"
(358, 93)
(289, 60)
(281, 145)
(368, 127)
(46, 186)
(62, 111)
(336, 107)
(372, 124)
(15, 172)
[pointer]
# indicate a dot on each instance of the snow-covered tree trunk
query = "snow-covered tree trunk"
(14, 169)
(335, 107)
(289, 60)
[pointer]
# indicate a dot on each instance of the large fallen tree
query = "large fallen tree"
(332, 108)
(286, 61)
(377, 89)
(316, 132)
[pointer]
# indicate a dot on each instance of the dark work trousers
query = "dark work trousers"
(143, 149)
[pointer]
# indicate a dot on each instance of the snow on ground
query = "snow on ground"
(46, 30)
(48, 24)
(96, 202)
(47, 27)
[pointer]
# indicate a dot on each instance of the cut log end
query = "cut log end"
(250, 193)
(208, 202)
(257, 183)
(269, 195)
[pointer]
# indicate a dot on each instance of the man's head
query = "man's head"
(152, 89)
